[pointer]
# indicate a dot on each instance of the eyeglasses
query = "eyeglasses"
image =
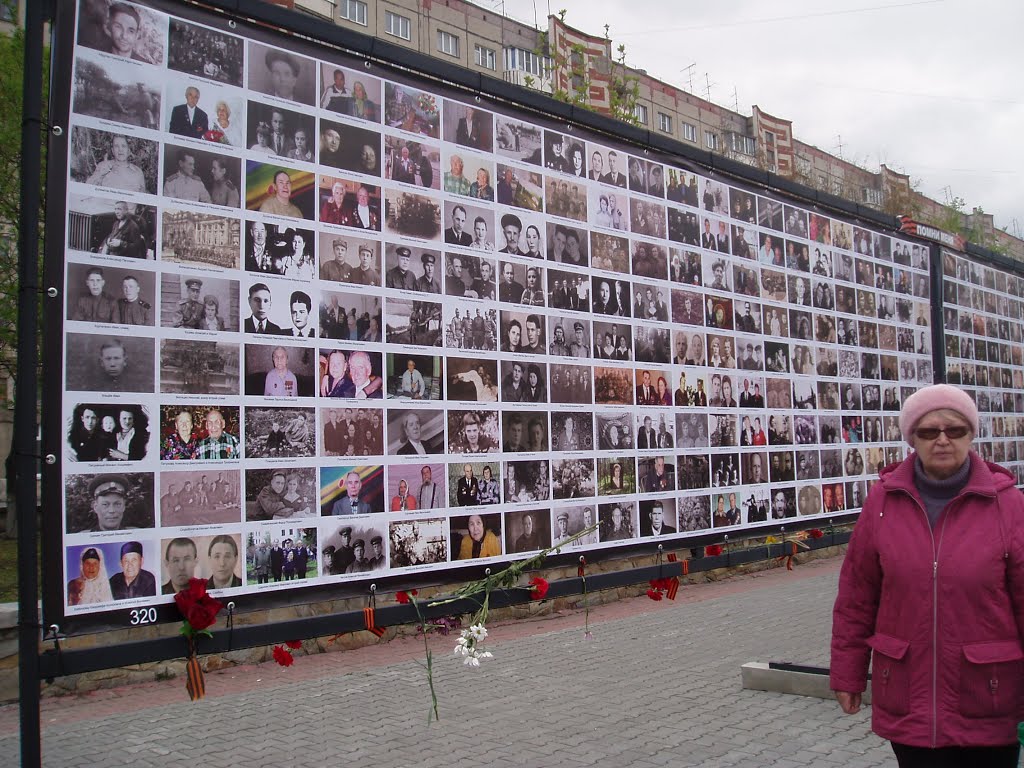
(932, 433)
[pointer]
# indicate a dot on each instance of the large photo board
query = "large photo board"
(327, 324)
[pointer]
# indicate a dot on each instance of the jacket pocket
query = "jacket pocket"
(890, 678)
(990, 678)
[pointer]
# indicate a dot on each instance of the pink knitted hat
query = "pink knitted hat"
(933, 398)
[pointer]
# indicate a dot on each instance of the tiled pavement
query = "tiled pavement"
(658, 685)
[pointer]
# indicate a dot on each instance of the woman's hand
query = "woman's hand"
(850, 702)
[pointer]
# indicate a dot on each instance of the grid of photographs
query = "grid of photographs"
(321, 324)
(982, 310)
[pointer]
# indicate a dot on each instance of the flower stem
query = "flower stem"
(433, 712)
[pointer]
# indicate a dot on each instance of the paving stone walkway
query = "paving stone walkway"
(658, 685)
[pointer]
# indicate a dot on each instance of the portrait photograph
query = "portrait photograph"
(416, 485)
(471, 379)
(108, 432)
(468, 276)
(616, 475)
(114, 90)
(352, 431)
(350, 92)
(693, 513)
(351, 374)
(412, 162)
(101, 576)
(411, 110)
(615, 430)
(566, 290)
(132, 32)
(468, 126)
(773, 285)
(569, 338)
(609, 210)
(617, 521)
(796, 221)
(475, 536)
(348, 259)
(415, 432)
(613, 341)
(275, 131)
(277, 308)
(524, 431)
(523, 382)
(722, 429)
(273, 371)
(656, 474)
(423, 541)
(203, 112)
(190, 237)
(725, 469)
(114, 160)
(279, 191)
(468, 326)
(198, 303)
(192, 367)
(571, 384)
(108, 502)
(474, 483)
(121, 296)
(611, 297)
(412, 269)
(564, 198)
(694, 472)
(770, 215)
(688, 308)
(684, 227)
(351, 490)
(112, 227)
(199, 432)
(521, 283)
(281, 74)
(523, 332)
(280, 432)
(205, 52)
(350, 316)
(692, 430)
(414, 377)
(473, 431)
(569, 245)
(109, 364)
(349, 147)
(520, 234)
(742, 206)
(572, 521)
(809, 500)
(572, 431)
(519, 188)
(528, 530)
(650, 261)
(200, 497)
(658, 517)
(610, 252)
(199, 176)
(280, 493)
(467, 174)
(411, 215)
(518, 140)
(745, 280)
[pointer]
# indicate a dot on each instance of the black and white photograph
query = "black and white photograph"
(108, 432)
(280, 432)
(571, 384)
(109, 363)
(618, 521)
(130, 31)
(565, 198)
(205, 52)
(473, 380)
(648, 219)
(519, 188)
(414, 322)
(193, 367)
(527, 530)
(348, 147)
(117, 91)
(423, 541)
(199, 303)
(200, 497)
(565, 154)
(350, 316)
(468, 126)
(191, 237)
(526, 481)
(658, 517)
(524, 431)
(568, 338)
(518, 140)
(276, 131)
(104, 502)
(415, 432)
(110, 295)
(114, 160)
(352, 431)
(694, 513)
(198, 176)
(282, 74)
(112, 227)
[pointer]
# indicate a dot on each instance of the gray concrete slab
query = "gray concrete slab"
(658, 685)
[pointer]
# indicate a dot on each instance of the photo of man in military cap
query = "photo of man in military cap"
(109, 502)
(400, 276)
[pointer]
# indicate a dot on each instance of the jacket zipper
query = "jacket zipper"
(935, 612)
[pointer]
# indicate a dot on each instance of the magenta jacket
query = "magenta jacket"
(942, 610)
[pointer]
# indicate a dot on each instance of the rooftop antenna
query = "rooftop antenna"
(735, 100)
(689, 75)
(839, 140)
(707, 87)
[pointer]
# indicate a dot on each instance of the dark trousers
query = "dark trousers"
(956, 757)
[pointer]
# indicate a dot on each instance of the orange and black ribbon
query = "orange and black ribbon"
(195, 682)
(370, 625)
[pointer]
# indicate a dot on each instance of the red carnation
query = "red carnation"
(196, 606)
(214, 135)
(294, 644)
(538, 588)
(713, 550)
(283, 657)
(815, 533)
(404, 597)
(654, 594)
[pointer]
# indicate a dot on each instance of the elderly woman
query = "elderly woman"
(92, 586)
(481, 541)
(933, 588)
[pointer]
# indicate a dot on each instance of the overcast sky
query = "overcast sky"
(933, 88)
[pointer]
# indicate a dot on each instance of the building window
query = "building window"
(447, 43)
(711, 140)
(690, 132)
(485, 57)
(872, 196)
(399, 26)
(527, 61)
(744, 145)
(665, 122)
(354, 10)
(640, 112)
